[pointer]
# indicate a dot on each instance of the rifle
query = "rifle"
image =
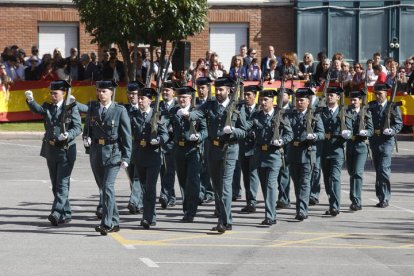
(342, 111)
(156, 112)
(234, 101)
(88, 125)
(322, 101)
(114, 94)
(292, 87)
(192, 129)
(65, 108)
(363, 108)
(278, 112)
(390, 106)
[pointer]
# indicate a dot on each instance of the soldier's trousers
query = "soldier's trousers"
(59, 173)
(148, 176)
(206, 189)
(301, 176)
(268, 178)
(315, 182)
(381, 156)
(222, 178)
(167, 174)
(236, 186)
(135, 198)
(248, 166)
(332, 168)
(355, 163)
(188, 168)
(284, 184)
(105, 178)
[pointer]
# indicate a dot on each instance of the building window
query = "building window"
(58, 35)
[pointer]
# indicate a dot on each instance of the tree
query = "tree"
(153, 22)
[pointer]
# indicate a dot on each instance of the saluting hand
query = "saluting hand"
(124, 165)
(29, 95)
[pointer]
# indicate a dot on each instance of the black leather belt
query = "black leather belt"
(57, 143)
(219, 143)
(183, 143)
(267, 147)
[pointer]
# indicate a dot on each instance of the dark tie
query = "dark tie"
(267, 118)
(103, 113)
(54, 110)
(221, 108)
(144, 115)
(331, 112)
(380, 108)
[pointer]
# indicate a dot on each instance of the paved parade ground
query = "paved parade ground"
(373, 241)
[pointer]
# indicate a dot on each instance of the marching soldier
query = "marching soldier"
(223, 147)
(383, 141)
(333, 155)
(269, 151)
(187, 154)
(62, 125)
(135, 204)
(147, 152)
(357, 147)
(108, 133)
(283, 179)
(206, 189)
(247, 156)
(307, 130)
(167, 173)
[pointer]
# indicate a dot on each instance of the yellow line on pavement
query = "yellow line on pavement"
(307, 240)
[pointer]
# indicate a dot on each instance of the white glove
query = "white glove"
(71, 99)
(311, 136)
(63, 136)
(194, 137)
(363, 132)
(227, 129)
(124, 165)
(346, 134)
(87, 142)
(155, 141)
(29, 95)
(388, 131)
(277, 143)
(182, 112)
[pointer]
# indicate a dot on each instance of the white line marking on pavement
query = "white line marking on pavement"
(406, 149)
(259, 263)
(149, 262)
(20, 145)
(129, 246)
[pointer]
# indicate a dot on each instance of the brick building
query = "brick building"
(256, 23)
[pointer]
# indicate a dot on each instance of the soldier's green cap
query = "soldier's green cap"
(286, 90)
(335, 89)
(378, 87)
(356, 94)
(170, 84)
(134, 86)
(224, 81)
(59, 85)
(270, 93)
(304, 92)
(252, 88)
(147, 92)
(106, 84)
(184, 90)
(203, 81)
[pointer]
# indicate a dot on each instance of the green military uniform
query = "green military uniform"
(147, 157)
(302, 152)
(357, 149)
(223, 151)
(269, 153)
(109, 130)
(333, 155)
(247, 157)
(60, 154)
(382, 145)
(187, 154)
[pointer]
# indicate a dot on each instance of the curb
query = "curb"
(20, 135)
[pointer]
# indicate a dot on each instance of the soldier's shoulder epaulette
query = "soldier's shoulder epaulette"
(371, 103)
(119, 106)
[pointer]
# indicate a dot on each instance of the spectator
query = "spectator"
(47, 73)
(381, 75)
(388, 63)
(237, 69)
(215, 71)
(61, 71)
(6, 53)
(320, 76)
(5, 80)
(200, 70)
(73, 54)
(272, 73)
(32, 72)
(265, 64)
(338, 56)
(215, 59)
(358, 78)
(20, 66)
(345, 76)
(207, 58)
(372, 78)
(11, 62)
(114, 68)
(376, 57)
(319, 67)
(247, 60)
(288, 68)
(391, 76)
(35, 52)
(90, 67)
(46, 58)
(254, 73)
(14, 50)
(74, 69)
(307, 67)
(335, 70)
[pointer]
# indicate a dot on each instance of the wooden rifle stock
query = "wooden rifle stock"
(279, 111)
(234, 100)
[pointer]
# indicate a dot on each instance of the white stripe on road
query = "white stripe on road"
(149, 262)
(270, 263)
(20, 145)
(405, 149)
(129, 246)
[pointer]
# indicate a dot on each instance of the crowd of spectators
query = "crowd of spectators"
(16, 66)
